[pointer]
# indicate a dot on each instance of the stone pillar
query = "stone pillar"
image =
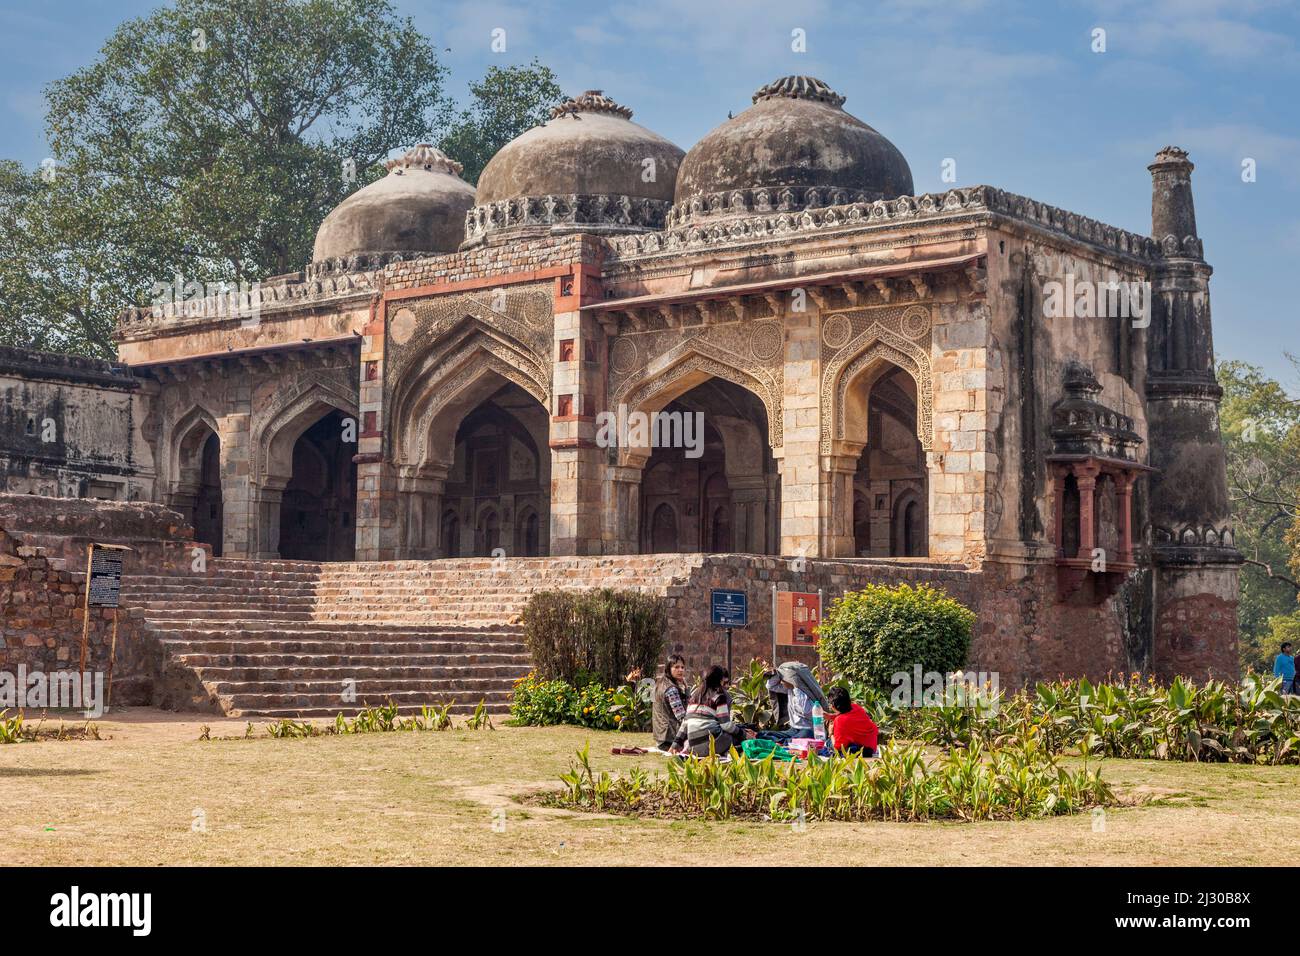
(1085, 477)
(420, 507)
(804, 495)
(578, 466)
(266, 499)
(377, 523)
(838, 473)
(1195, 562)
(622, 505)
(749, 497)
(238, 515)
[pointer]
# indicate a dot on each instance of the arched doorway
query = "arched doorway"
(317, 508)
(450, 533)
(663, 531)
(498, 483)
(712, 484)
(207, 503)
(890, 483)
(196, 486)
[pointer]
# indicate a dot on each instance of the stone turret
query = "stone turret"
(1194, 561)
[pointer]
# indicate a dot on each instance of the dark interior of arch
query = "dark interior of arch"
(890, 493)
(716, 502)
(497, 493)
(317, 509)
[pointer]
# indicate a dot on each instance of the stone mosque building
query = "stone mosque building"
(879, 381)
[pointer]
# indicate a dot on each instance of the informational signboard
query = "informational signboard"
(730, 608)
(798, 617)
(104, 588)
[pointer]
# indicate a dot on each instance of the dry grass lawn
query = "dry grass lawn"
(431, 798)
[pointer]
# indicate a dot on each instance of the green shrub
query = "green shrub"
(597, 635)
(871, 634)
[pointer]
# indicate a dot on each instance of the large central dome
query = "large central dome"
(794, 148)
(589, 168)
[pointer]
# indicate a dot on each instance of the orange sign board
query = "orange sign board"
(798, 616)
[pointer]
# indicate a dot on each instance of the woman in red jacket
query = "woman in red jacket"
(853, 730)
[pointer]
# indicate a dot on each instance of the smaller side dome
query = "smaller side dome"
(417, 208)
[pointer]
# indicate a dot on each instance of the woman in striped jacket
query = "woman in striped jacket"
(708, 718)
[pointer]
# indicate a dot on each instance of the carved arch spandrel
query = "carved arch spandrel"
(519, 316)
(178, 434)
(696, 359)
(874, 345)
(315, 392)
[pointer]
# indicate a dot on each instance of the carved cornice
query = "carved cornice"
(967, 202)
(596, 213)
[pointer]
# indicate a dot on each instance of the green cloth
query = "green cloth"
(758, 749)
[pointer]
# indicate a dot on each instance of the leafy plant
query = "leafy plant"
(750, 701)
(631, 704)
(1020, 781)
(871, 634)
(480, 718)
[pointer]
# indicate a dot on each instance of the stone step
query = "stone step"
(283, 666)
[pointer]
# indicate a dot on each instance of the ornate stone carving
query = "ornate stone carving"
(724, 351)
(878, 334)
(519, 313)
(687, 225)
(593, 213)
(623, 355)
(836, 331)
(915, 322)
(766, 340)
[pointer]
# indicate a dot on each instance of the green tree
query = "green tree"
(1261, 433)
(209, 139)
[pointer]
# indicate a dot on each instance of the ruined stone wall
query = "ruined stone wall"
(42, 586)
(517, 259)
(68, 428)
(1030, 350)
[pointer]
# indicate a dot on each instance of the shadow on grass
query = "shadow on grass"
(46, 772)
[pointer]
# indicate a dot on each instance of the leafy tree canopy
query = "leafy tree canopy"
(209, 139)
(1261, 433)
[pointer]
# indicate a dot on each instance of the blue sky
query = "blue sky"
(1011, 90)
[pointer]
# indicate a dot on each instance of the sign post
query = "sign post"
(730, 609)
(103, 589)
(797, 618)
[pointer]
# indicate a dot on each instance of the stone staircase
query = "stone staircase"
(285, 638)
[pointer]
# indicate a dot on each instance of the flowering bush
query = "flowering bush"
(540, 703)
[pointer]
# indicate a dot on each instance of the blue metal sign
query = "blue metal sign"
(730, 608)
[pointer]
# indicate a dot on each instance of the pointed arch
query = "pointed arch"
(850, 374)
(284, 423)
(453, 375)
(679, 370)
(184, 444)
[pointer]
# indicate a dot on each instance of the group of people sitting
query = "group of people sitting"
(697, 721)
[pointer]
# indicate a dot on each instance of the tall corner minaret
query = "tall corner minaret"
(1194, 560)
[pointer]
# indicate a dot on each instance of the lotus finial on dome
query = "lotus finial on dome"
(592, 101)
(799, 88)
(425, 156)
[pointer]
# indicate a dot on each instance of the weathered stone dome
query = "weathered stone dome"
(419, 207)
(589, 168)
(795, 148)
